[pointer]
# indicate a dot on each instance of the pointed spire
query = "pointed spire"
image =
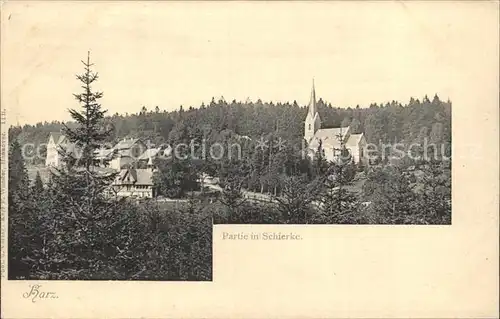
(312, 101)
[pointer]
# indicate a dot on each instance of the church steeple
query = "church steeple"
(312, 122)
(312, 101)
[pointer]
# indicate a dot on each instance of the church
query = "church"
(331, 138)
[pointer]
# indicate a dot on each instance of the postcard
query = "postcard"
(250, 159)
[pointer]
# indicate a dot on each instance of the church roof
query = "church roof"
(312, 101)
(329, 136)
(317, 116)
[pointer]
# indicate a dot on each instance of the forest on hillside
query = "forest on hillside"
(390, 122)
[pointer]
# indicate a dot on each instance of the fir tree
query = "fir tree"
(338, 205)
(90, 133)
(81, 179)
(37, 184)
(320, 164)
(232, 196)
(84, 235)
(393, 201)
(345, 122)
(435, 195)
(355, 126)
(297, 197)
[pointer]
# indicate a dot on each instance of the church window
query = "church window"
(309, 127)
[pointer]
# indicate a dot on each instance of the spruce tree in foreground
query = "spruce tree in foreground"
(89, 234)
(80, 178)
(338, 204)
(90, 133)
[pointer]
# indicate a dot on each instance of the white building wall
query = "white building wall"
(118, 162)
(331, 153)
(52, 158)
(354, 153)
(130, 190)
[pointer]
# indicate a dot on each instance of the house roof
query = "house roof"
(72, 148)
(104, 170)
(58, 137)
(354, 139)
(122, 174)
(152, 153)
(104, 153)
(126, 143)
(149, 153)
(144, 176)
(139, 176)
(65, 145)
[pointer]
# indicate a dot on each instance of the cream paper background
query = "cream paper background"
(334, 271)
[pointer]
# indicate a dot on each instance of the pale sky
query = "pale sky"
(169, 53)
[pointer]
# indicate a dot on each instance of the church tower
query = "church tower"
(313, 122)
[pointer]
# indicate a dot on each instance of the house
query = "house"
(134, 182)
(104, 156)
(104, 153)
(331, 139)
(58, 143)
(130, 181)
(53, 157)
(126, 152)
